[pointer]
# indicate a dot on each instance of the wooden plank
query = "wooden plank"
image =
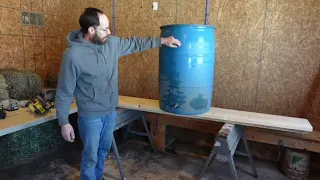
(189, 123)
(252, 119)
(290, 142)
(158, 134)
(23, 118)
(312, 136)
(310, 142)
(214, 127)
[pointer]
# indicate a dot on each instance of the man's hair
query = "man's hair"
(89, 18)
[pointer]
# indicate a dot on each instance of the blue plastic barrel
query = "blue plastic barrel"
(186, 74)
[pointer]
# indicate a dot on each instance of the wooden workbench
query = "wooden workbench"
(23, 118)
(295, 133)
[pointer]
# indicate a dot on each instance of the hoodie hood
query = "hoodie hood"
(76, 38)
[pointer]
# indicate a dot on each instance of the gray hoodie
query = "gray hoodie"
(89, 72)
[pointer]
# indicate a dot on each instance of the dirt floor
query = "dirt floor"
(139, 162)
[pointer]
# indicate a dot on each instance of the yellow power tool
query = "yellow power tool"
(38, 105)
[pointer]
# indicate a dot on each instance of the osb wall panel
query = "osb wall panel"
(311, 106)
(12, 19)
(191, 12)
(282, 90)
(35, 48)
(136, 18)
(267, 51)
(290, 59)
(26, 47)
(12, 3)
(293, 15)
(239, 32)
(29, 53)
(11, 52)
(72, 10)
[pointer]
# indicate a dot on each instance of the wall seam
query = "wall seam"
(23, 36)
(176, 21)
(261, 53)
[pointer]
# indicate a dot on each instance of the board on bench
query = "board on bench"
(229, 116)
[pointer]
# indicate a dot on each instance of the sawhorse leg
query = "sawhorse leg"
(232, 167)
(245, 142)
(226, 144)
(148, 133)
(115, 149)
(114, 144)
(209, 160)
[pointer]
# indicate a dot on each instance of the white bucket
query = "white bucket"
(296, 164)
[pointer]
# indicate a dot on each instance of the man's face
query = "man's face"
(102, 31)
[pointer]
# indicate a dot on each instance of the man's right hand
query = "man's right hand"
(171, 42)
(67, 132)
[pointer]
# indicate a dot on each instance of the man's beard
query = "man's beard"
(97, 40)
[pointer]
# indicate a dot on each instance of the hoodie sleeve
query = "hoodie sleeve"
(138, 44)
(65, 90)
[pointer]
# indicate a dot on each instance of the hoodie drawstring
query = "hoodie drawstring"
(95, 52)
(104, 57)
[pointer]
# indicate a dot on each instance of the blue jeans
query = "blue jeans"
(96, 135)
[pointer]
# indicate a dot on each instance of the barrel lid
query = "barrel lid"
(187, 26)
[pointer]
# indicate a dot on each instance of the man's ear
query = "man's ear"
(91, 30)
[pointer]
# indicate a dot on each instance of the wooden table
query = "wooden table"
(23, 118)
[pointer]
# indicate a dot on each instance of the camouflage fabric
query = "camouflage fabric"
(3, 89)
(22, 84)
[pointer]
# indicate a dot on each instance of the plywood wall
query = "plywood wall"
(30, 48)
(35, 48)
(267, 51)
(72, 9)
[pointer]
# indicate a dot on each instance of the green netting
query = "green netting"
(19, 145)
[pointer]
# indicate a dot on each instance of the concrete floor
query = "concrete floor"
(140, 163)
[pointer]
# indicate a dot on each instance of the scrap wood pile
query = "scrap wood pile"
(23, 89)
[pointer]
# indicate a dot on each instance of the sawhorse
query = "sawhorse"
(127, 117)
(226, 143)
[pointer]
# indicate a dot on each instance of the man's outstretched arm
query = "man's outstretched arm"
(139, 44)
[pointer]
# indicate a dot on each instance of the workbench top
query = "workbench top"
(23, 118)
(251, 119)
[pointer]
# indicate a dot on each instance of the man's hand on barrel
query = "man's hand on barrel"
(171, 42)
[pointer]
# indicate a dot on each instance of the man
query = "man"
(89, 71)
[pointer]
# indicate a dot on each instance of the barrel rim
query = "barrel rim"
(187, 25)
